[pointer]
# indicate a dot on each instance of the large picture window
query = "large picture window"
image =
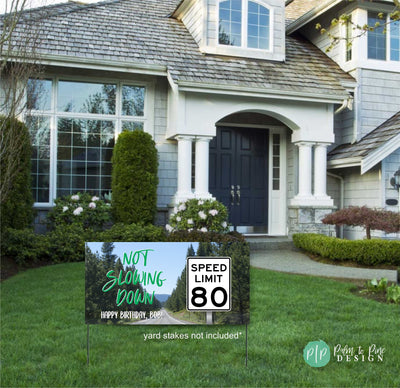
(244, 23)
(73, 127)
(383, 41)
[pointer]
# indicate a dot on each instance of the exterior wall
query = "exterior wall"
(345, 127)
(167, 149)
(322, 41)
(360, 190)
(210, 44)
(389, 166)
(193, 20)
(292, 169)
(333, 190)
(196, 114)
(379, 98)
(309, 220)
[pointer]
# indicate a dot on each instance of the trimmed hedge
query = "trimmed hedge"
(197, 236)
(134, 232)
(134, 178)
(367, 252)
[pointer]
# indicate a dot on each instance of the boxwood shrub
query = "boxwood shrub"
(133, 232)
(366, 252)
(134, 178)
(197, 236)
(15, 174)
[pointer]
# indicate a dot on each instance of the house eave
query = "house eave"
(344, 163)
(188, 86)
(380, 153)
(97, 64)
(310, 15)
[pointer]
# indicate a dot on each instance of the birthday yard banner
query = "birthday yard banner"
(167, 283)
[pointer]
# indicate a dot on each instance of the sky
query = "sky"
(170, 258)
(6, 4)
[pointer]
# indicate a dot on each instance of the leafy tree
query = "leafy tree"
(369, 219)
(204, 249)
(97, 266)
(20, 36)
(240, 261)
(109, 258)
(360, 30)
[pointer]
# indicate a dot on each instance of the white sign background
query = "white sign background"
(208, 282)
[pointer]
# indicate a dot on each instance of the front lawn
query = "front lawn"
(43, 338)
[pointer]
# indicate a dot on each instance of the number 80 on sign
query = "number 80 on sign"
(208, 282)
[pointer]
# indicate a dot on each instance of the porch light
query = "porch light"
(395, 180)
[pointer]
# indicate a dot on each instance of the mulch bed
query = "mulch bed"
(10, 268)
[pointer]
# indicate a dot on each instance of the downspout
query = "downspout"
(341, 201)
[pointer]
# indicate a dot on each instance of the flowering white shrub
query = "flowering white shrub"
(78, 211)
(205, 215)
(82, 208)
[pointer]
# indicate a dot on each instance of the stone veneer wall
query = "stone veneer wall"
(307, 219)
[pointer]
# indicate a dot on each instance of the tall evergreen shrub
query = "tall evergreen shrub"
(16, 201)
(134, 178)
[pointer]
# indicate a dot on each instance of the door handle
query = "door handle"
(238, 195)
(232, 195)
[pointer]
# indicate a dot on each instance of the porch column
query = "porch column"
(320, 163)
(304, 197)
(201, 170)
(184, 168)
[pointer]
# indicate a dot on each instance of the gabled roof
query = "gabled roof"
(296, 8)
(371, 149)
(140, 34)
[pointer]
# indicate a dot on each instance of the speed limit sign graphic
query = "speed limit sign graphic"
(208, 282)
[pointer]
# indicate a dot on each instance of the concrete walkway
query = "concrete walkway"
(292, 261)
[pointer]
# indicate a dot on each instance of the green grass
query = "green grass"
(43, 338)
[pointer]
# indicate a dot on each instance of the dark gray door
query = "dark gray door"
(239, 174)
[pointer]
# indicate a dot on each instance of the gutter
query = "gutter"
(187, 86)
(347, 103)
(341, 202)
(97, 64)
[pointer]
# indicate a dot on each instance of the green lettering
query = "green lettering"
(123, 293)
(110, 284)
(160, 281)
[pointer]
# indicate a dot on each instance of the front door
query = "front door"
(239, 174)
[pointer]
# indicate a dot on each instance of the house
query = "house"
(242, 100)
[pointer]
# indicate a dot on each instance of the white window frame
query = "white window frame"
(118, 118)
(230, 50)
(387, 40)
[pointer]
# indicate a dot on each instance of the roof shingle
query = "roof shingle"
(369, 143)
(141, 31)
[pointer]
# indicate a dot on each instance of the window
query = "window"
(276, 164)
(395, 40)
(383, 41)
(244, 23)
(82, 120)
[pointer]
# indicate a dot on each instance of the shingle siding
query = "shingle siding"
(167, 150)
(390, 165)
(193, 21)
(360, 190)
(379, 94)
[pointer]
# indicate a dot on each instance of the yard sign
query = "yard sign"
(208, 283)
